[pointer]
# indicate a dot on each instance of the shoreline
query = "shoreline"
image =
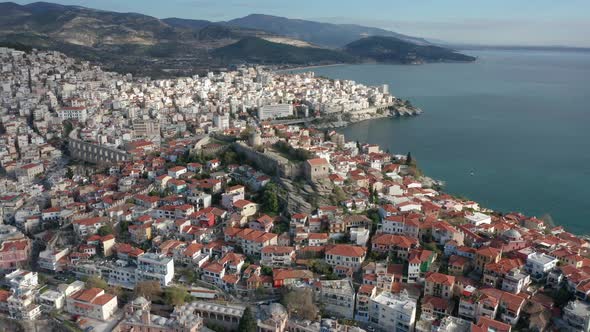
(308, 67)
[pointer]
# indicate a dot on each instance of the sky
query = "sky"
(488, 22)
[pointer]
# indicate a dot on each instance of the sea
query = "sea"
(510, 130)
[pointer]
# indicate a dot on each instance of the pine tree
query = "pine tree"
(247, 322)
(409, 158)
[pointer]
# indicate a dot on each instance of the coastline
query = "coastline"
(282, 70)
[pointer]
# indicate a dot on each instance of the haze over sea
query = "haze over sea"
(519, 120)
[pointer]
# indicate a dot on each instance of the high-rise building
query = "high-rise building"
(275, 111)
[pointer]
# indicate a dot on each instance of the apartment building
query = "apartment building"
(393, 312)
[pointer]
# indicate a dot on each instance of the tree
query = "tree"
(148, 289)
(300, 303)
(96, 282)
(409, 158)
(270, 200)
(69, 173)
(115, 290)
(175, 296)
(105, 230)
(247, 322)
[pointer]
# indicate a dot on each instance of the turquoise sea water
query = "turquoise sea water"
(519, 120)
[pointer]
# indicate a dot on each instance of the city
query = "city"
(229, 202)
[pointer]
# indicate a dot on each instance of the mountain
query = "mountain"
(145, 45)
(258, 50)
(395, 50)
(83, 26)
(323, 34)
(183, 23)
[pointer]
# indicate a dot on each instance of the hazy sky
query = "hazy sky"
(524, 22)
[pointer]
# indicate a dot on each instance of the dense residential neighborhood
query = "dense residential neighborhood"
(228, 202)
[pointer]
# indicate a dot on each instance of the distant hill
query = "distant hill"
(394, 50)
(258, 50)
(186, 23)
(146, 45)
(323, 34)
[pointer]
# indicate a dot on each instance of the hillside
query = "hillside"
(394, 50)
(323, 34)
(257, 50)
(146, 45)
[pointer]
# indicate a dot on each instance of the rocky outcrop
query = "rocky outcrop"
(302, 197)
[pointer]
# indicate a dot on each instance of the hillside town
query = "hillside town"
(220, 203)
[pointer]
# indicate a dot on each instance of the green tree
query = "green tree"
(105, 230)
(409, 158)
(270, 200)
(247, 322)
(96, 282)
(69, 173)
(175, 296)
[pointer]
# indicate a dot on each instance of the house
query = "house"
(317, 239)
(435, 307)
(439, 285)
(538, 265)
(92, 303)
(286, 277)
(88, 226)
(486, 255)
(245, 207)
(419, 262)
(399, 245)
(29, 171)
(486, 324)
(478, 219)
(177, 171)
(275, 256)
(14, 253)
(264, 223)
(345, 255)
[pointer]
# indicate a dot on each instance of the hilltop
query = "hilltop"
(391, 49)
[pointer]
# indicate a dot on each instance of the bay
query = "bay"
(519, 120)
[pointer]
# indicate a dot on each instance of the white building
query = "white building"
(221, 122)
(515, 281)
(151, 266)
(337, 297)
(577, 315)
(393, 312)
(275, 111)
(73, 113)
(52, 300)
(21, 303)
(538, 265)
(346, 255)
(93, 303)
(478, 218)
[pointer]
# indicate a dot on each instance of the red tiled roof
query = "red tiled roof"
(346, 250)
(439, 278)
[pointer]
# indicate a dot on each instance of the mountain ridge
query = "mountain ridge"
(146, 45)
